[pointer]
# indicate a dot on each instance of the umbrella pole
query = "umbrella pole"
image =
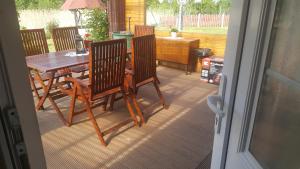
(76, 16)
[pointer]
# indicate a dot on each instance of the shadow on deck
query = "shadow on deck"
(178, 137)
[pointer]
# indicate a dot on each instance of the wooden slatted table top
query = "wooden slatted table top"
(55, 61)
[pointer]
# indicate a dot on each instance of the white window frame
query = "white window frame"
(16, 87)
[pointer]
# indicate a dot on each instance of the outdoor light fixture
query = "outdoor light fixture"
(79, 45)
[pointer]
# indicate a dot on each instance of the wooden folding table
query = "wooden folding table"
(49, 64)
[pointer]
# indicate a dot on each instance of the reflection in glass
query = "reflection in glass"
(275, 141)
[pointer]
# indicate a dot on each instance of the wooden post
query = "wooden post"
(198, 19)
(116, 15)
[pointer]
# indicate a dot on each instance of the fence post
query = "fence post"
(222, 21)
(198, 20)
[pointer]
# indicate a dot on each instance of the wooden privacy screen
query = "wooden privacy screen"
(116, 15)
(34, 41)
(107, 66)
(136, 10)
(64, 38)
(141, 30)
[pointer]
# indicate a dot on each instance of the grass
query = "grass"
(204, 30)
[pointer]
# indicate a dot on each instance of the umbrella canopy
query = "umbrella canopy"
(83, 4)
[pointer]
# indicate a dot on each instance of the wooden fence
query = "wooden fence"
(200, 20)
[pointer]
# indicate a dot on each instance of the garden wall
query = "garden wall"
(32, 19)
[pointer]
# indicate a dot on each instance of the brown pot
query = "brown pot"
(87, 43)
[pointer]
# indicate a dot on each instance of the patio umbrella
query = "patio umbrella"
(76, 5)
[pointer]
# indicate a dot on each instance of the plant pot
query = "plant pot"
(87, 44)
(173, 34)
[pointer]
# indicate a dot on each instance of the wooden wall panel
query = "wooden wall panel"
(216, 42)
(136, 9)
(116, 15)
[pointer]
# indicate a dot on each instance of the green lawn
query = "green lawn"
(204, 30)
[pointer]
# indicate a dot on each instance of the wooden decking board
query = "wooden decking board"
(178, 137)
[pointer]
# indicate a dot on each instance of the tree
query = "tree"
(97, 24)
(39, 4)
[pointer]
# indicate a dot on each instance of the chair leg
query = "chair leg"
(91, 115)
(105, 103)
(72, 107)
(112, 101)
(129, 108)
(156, 79)
(33, 87)
(162, 100)
(56, 81)
(137, 107)
(59, 113)
(82, 74)
(68, 84)
(94, 122)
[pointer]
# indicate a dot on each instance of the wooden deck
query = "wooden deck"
(179, 137)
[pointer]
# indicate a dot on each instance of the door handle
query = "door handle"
(216, 103)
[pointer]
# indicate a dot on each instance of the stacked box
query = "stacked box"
(212, 69)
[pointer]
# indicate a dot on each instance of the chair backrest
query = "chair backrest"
(34, 41)
(64, 38)
(142, 30)
(107, 66)
(143, 58)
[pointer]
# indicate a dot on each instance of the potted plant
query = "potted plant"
(174, 32)
(87, 41)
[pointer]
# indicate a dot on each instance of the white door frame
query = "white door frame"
(253, 70)
(252, 67)
(233, 53)
(16, 89)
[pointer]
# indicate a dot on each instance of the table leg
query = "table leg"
(46, 88)
(187, 68)
(46, 95)
(59, 113)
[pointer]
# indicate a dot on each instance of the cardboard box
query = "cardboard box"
(212, 69)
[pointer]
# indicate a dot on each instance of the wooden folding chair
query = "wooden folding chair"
(107, 61)
(35, 43)
(142, 30)
(64, 39)
(142, 69)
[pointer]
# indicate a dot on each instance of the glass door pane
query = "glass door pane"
(276, 132)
